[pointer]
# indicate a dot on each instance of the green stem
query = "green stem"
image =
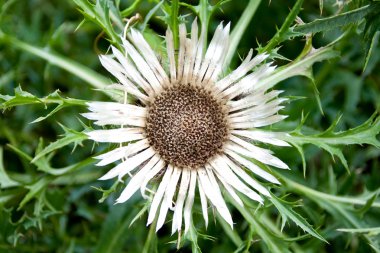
(174, 22)
(360, 230)
(238, 31)
(281, 34)
(205, 19)
(150, 238)
(301, 189)
(128, 11)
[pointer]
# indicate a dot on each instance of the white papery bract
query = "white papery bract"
(230, 169)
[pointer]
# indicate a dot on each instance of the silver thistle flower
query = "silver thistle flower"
(193, 126)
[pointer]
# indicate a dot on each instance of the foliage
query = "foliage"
(50, 199)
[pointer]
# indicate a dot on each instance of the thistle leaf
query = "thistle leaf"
(329, 23)
(25, 98)
(5, 180)
(287, 212)
(299, 67)
(70, 136)
(331, 141)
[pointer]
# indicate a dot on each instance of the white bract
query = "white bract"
(232, 158)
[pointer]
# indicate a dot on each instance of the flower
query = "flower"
(190, 127)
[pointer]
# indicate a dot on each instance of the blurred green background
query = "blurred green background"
(66, 216)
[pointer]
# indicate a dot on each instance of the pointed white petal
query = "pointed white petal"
(257, 153)
(209, 53)
(112, 106)
(218, 54)
(247, 178)
(263, 136)
(203, 198)
(121, 58)
(114, 172)
(182, 50)
(111, 65)
(137, 160)
(136, 147)
(102, 120)
(193, 48)
(190, 200)
(188, 61)
(159, 194)
(253, 167)
(131, 72)
(168, 197)
(127, 89)
(262, 110)
(212, 192)
(149, 56)
(118, 135)
(118, 71)
(136, 180)
(153, 172)
(170, 51)
(199, 56)
(248, 84)
(108, 114)
(128, 165)
(116, 113)
(225, 173)
(111, 156)
(182, 192)
(143, 67)
(259, 122)
(216, 42)
(241, 71)
(253, 115)
(221, 206)
(230, 190)
(254, 99)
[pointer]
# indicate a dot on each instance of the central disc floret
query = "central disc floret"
(186, 125)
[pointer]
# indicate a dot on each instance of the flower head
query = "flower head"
(192, 127)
